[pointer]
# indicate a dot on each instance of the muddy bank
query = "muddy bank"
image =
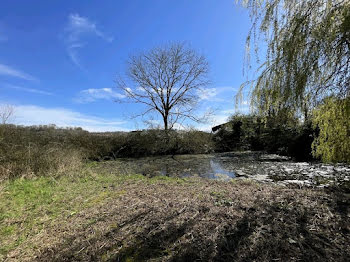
(259, 166)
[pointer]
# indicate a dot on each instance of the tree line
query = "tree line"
(301, 92)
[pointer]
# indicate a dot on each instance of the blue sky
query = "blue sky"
(59, 59)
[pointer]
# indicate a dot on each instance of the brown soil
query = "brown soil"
(201, 220)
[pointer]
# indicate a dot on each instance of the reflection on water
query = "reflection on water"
(205, 166)
(219, 172)
(214, 171)
(225, 166)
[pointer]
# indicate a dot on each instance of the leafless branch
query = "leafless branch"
(6, 113)
(166, 80)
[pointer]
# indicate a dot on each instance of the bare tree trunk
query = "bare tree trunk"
(166, 130)
(165, 120)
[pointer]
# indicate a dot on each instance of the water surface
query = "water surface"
(226, 166)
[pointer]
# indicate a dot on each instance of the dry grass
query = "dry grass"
(132, 218)
(34, 160)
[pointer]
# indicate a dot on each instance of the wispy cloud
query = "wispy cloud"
(30, 90)
(36, 115)
(227, 88)
(214, 120)
(229, 111)
(220, 118)
(76, 29)
(9, 71)
(207, 94)
(92, 94)
(217, 94)
(243, 109)
(222, 115)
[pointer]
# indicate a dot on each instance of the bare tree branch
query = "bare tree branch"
(167, 80)
(6, 113)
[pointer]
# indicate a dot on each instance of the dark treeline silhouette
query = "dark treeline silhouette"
(251, 132)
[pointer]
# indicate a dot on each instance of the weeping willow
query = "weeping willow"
(332, 118)
(307, 56)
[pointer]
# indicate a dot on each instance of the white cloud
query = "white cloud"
(207, 94)
(139, 88)
(217, 94)
(30, 90)
(221, 117)
(240, 109)
(91, 95)
(214, 120)
(35, 115)
(76, 28)
(229, 111)
(79, 25)
(227, 88)
(9, 71)
(128, 89)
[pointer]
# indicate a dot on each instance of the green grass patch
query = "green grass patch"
(27, 205)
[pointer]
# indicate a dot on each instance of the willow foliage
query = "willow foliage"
(333, 120)
(308, 52)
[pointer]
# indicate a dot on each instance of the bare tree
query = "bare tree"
(167, 80)
(6, 113)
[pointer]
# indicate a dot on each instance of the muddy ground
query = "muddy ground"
(259, 166)
(201, 221)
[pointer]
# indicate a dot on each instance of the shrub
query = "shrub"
(24, 155)
(194, 142)
(159, 142)
(43, 150)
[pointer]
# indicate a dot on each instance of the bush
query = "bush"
(22, 154)
(43, 150)
(159, 142)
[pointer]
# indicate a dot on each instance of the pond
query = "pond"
(258, 166)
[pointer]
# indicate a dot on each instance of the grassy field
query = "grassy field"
(98, 215)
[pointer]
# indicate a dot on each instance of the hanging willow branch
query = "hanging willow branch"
(308, 52)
